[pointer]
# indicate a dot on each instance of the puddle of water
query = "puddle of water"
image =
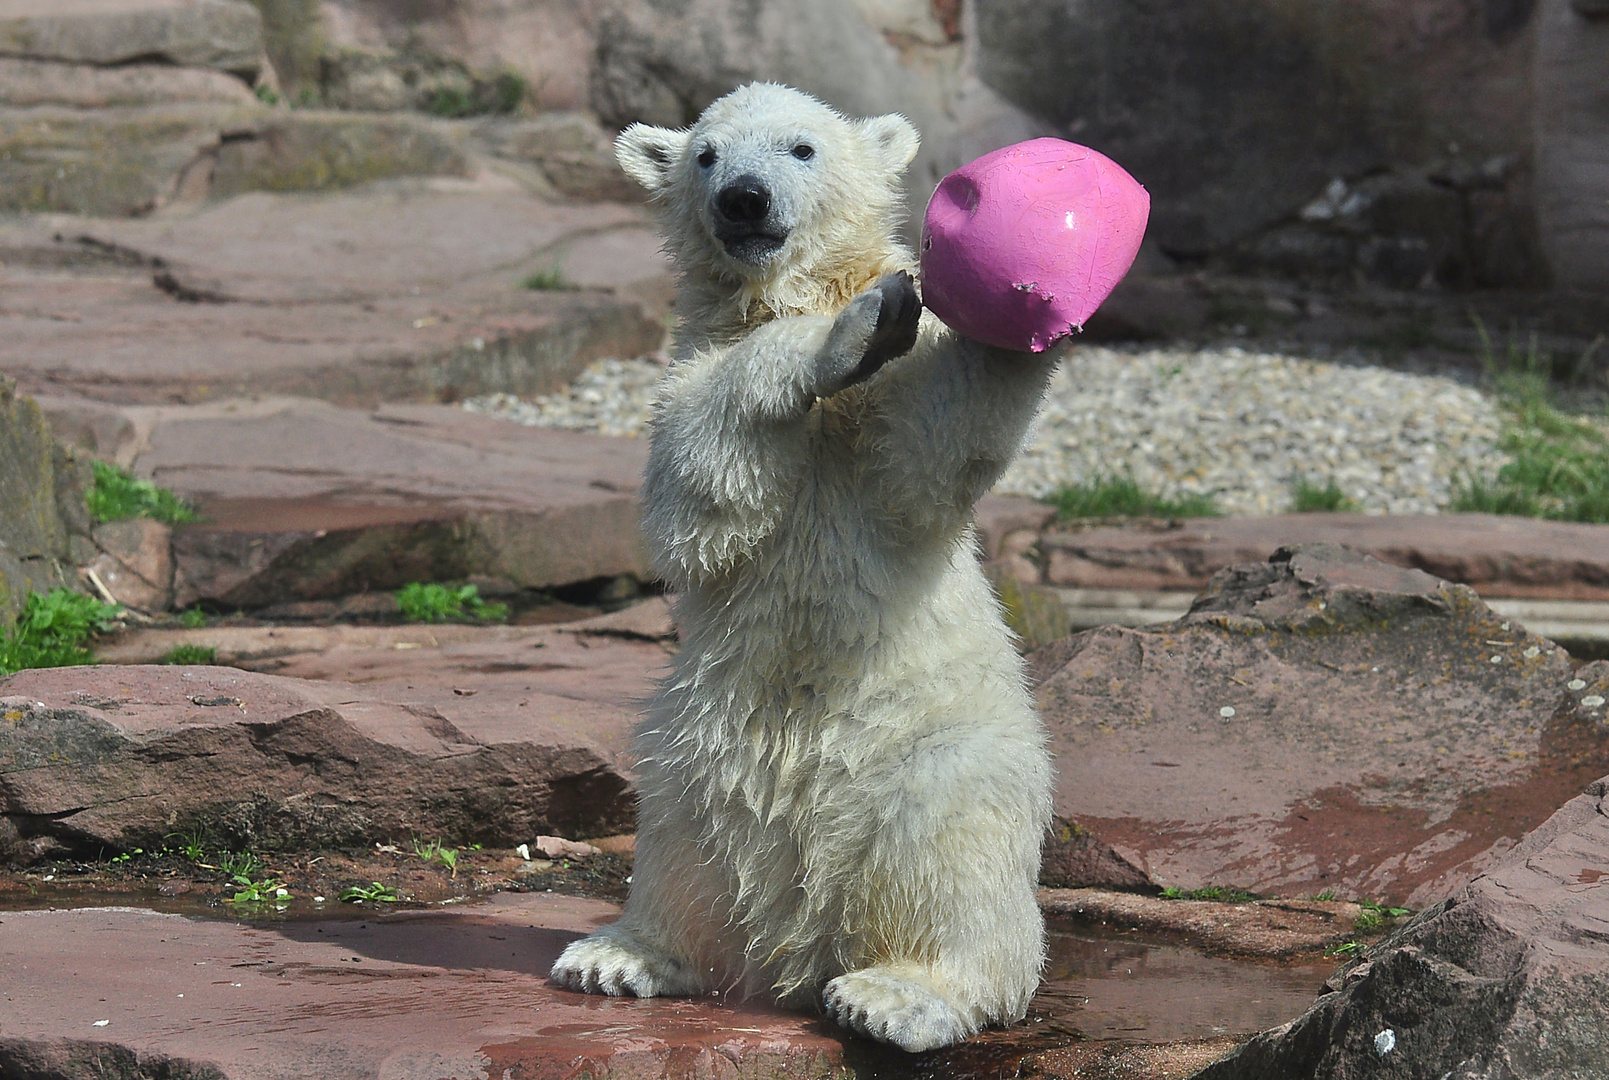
(1106, 984)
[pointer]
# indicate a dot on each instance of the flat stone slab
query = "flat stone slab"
(302, 500)
(1507, 977)
(406, 292)
(438, 995)
(222, 34)
(1494, 555)
(1320, 722)
(118, 757)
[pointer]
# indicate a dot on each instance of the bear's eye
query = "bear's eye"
(804, 151)
(707, 157)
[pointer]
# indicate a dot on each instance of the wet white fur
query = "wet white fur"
(843, 782)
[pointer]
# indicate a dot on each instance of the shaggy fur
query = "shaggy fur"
(843, 782)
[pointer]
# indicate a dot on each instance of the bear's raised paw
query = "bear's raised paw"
(878, 325)
(618, 965)
(893, 1008)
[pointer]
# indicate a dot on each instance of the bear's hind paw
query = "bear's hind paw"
(890, 1007)
(618, 965)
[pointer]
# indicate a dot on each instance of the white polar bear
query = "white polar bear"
(843, 784)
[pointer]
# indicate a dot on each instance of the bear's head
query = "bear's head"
(771, 190)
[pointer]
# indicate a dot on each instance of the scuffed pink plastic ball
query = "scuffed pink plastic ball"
(1022, 245)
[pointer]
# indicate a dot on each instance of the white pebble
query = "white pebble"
(1385, 1042)
(1497, 659)
(1227, 712)
(1592, 701)
(1531, 653)
(1576, 684)
(100, 1023)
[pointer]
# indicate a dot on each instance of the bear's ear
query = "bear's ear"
(648, 153)
(892, 138)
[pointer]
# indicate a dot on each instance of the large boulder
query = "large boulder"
(1508, 977)
(1319, 722)
(113, 757)
(223, 34)
(26, 83)
(1236, 116)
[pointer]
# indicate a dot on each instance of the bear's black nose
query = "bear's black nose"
(745, 200)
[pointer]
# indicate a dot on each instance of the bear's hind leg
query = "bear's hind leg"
(899, 1004)
(616, 962)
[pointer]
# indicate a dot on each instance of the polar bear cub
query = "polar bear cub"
(843, 782)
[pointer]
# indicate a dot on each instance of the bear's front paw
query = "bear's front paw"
(878, 325)
(889, 1007)
(617, 965)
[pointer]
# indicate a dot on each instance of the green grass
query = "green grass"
(374, 893)
(251, 891)
(445, 603)
(1374, 915)
(192, 618)
(117, 494)
(1120, 496)
(1558, 464)
(191, 654)
(1308, 497)
(435, 852)
(549, 280)
(54, 630)
(1219, 893)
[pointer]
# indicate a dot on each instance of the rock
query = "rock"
(223, 34)
(1572, 131)
(1496, 556)
(1323, 721)
(1278, 929)
(135, 563)
(1234, 115)
(116, 757)
(1035, 614)
(310, 151)
(406, 292)
(1509, 976)
(1000, 516)
(25, 83)
(301, 500)
(34, 537)
(571, 149)
(115, 162)
(415, 995)
(416, 493)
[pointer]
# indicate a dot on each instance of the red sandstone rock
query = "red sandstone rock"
(1509, 976)
(112, 757)
(1496, 556)
(418, 995)
(1323, 721)
(301, 500)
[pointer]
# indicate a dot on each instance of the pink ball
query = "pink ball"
(1022, 245)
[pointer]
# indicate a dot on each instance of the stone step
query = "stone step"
(225, 35)
(301, 500)
(1508, 557)
(407, 293)
(1582, 626)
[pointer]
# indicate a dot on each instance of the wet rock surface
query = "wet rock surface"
(1323, 721)
(1509, 976)
(301, 500)
(118, 757)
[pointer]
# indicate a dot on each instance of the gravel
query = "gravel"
(1239, 426)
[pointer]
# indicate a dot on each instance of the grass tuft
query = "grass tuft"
(117, 494)
(1308, 497)
(191, 654)
(1558, 464)
(1120, 496)
(433, 603)
(549, 280)
(54, 630)
(1220, 893)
